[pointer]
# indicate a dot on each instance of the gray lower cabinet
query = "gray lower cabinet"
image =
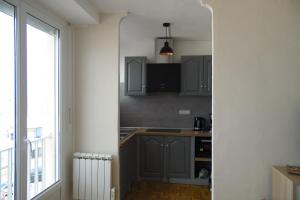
(128, 166)
(178, 157)
(196, 75)
(151, 156)
(164, 157)
(135, 76)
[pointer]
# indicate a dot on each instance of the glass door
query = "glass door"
(29, 102)
(42, 106)
(7, 101)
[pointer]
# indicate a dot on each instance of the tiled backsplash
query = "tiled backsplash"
(161, 110)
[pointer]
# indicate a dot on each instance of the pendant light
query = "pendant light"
(166, 50)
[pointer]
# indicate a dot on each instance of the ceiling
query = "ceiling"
(189, 21)
(77, 12)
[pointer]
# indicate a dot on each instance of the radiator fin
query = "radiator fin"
(92, 176)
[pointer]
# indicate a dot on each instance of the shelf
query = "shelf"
(202, 159)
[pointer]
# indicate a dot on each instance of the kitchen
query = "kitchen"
(255, 81)
(165, 110)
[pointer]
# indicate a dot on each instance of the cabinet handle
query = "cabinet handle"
(161, 145)
(167, 145)
(201, 86)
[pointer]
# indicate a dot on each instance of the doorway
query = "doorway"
(165, 151)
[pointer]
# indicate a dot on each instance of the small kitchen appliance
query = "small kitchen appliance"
(199, 124)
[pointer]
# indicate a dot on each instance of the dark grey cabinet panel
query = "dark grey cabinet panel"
(196, 75)
(191, 75)
(207, 76)
(151, 156)
(128, 166)
(178, 155)
(164, 157)
(135, 76)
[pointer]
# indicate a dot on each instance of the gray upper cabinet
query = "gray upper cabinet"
(151, 156)
(178, 155)
(191, 75)
(135, 76)
(196, 75)
(207, 76)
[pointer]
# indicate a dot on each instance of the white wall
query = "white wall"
(191, 47)
(256, 94)
(67, 119)
(97, 89)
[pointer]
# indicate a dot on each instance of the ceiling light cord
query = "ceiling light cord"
(166, 33)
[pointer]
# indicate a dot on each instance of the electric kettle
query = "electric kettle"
(199, 124)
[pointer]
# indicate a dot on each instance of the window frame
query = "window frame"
(39, 24)
(22, 8)
(26, 9)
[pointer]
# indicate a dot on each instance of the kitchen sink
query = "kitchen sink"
(165, 130)
(124, 132)
(123, 135)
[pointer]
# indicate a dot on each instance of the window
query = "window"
(7, 100)
(42, 105)
(37, 81)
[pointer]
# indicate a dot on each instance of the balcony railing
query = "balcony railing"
(7, 174)
(36, 169)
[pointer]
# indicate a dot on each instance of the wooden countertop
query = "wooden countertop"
(294, 178)
(182, 133)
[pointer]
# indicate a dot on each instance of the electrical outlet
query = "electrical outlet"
(184, 112)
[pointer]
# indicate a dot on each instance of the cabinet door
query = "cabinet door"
(178, 157)
(151, 156)
(191, 75)
(135, 76)
(128, 166)
(206, 76)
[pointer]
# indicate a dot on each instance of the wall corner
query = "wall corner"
(207, 4)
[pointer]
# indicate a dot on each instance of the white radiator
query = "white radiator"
(92, 177)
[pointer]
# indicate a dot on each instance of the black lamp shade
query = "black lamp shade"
(166, 50)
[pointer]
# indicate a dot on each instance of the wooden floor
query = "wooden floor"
(151, 190)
